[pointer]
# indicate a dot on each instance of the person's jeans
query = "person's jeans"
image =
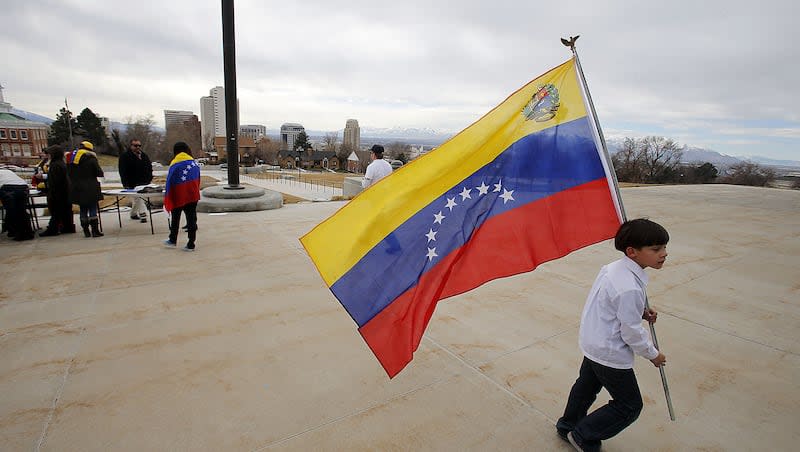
(611, 418)
(88, 212)
(191, 223)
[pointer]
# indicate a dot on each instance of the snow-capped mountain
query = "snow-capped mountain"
(694, 154)
(31, 116)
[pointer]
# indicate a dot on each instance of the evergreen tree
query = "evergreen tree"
(89, 126)
(59, 132)
(302, 141)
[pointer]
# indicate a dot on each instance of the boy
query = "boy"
(611, 333)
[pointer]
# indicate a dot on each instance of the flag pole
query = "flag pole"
(571, 44)
(69, 123)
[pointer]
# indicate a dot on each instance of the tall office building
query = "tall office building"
(254, 131)
(352, 135)
(289, 132)
(176, 117)
(212, 115)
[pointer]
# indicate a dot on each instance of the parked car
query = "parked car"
(223, 166)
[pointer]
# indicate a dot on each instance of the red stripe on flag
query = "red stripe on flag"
(181, 194)
(515, 242)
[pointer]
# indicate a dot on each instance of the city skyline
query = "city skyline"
(715, 74)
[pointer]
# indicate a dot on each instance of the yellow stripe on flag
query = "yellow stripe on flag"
(339, 242)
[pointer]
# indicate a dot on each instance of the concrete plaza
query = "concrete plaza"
(117, 343)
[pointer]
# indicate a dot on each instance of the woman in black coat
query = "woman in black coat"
(83, 171)
(58, 192)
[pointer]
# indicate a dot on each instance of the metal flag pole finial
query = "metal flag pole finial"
(571, 44)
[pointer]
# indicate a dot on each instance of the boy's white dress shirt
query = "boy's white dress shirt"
(611, 324)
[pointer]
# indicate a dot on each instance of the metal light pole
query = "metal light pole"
(231, 112)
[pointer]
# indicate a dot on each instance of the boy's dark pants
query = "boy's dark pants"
(191, 222)
(608, 420)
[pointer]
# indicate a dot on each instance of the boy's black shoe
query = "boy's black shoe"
(562, 433)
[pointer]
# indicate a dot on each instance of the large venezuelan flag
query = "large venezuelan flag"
(525, 184)
(183, 182)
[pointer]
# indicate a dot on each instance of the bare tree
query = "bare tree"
(648, 160)
(143, 129)
(661, 157)
(396, 149)
(331, 141)
(627, 162)
(267, 150)
(344, 152)
(748, 173)
(208, 142)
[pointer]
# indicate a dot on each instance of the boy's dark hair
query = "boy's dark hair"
(378, 150)
(639, 233)
(179, 147)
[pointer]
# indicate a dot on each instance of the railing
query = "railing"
(290, 178)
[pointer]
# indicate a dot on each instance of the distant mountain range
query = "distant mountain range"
(694, 154)
(427, 136)
(31, 116)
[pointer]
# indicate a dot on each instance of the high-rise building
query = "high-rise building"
(212, 115)
(254, 131)
(173, 117)
(289, 133)
(352, 135)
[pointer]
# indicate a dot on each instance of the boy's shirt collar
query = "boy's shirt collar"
(637, 271)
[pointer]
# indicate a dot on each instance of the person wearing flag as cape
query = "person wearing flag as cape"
(83, 170)
(182, 194)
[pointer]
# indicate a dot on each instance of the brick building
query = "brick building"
(21, 140)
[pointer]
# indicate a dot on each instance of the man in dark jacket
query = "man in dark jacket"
(135, 169)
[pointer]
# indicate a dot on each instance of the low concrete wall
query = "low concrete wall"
(351, 186)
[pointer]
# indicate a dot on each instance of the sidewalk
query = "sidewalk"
(120, 344)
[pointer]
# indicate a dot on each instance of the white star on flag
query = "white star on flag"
(451, 202)
(507, 196)
(183, 178)
(431, 254)
(498, 186)
(482, 189)
(465, 194)
(438, 217)
(431, 235)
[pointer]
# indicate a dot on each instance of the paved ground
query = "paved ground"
(116, 343)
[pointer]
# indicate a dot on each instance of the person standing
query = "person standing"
(135, 169)
(377, 169)
(182, 194)
(611, 333)
(14, 195)
(58, 203)
(83, 171)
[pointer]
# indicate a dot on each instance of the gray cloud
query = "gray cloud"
(651, 67)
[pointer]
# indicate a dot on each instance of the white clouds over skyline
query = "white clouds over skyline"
(717, 74)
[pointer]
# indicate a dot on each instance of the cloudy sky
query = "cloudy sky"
(715, 74)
